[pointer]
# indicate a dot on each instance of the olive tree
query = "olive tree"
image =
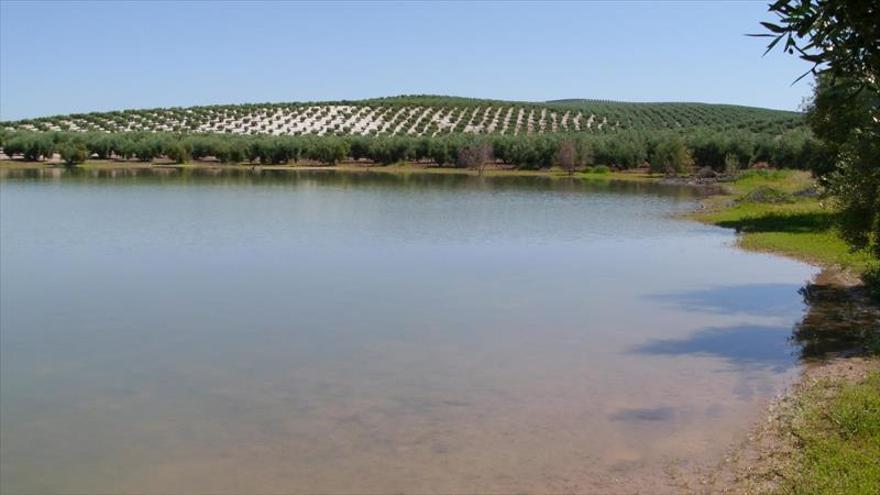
(566, 156)
(839, 38)
(671, 157)
(73, 153)
(475, 156)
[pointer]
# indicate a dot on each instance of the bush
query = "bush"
(475, 156)
(32, 146)
(767, 194)
(671, 157)
(73, 153)
(601, 169)
(707, 173)
(177, 152)
(566, 156)
(871, 278)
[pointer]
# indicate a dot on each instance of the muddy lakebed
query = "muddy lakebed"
(232, 331)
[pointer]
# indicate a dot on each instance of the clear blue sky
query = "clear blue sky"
(58, 58)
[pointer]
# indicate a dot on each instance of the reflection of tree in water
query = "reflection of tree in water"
(368, 177)
(840, 320)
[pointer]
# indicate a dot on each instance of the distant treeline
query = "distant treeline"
(669, 151)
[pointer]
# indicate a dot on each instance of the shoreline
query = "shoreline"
(839, 309)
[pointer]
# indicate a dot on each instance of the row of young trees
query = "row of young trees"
(261, 118)
(665, 151)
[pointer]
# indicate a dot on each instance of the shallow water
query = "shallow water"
(233, 332)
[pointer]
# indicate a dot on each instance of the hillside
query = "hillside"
(422, 115)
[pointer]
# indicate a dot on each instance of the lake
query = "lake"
(229, 331)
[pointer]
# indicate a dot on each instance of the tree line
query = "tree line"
(663, 151)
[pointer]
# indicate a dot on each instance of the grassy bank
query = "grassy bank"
(837, 427)
(780, 212)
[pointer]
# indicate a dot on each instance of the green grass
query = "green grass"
(784, 180)
(838, 427)
(802, 228)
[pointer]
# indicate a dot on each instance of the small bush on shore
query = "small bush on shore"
(767, 194)
(671, 157)
(73, 153)
(177, 152)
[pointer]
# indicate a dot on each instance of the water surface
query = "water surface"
(234, 332)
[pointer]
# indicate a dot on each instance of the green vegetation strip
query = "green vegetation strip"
(425, 115)
(780, 212)
(670, 151)
(838, 430)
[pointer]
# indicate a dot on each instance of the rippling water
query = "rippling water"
(234, 332)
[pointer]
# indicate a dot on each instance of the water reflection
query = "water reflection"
(747, 346)
(752, 299)
(345, 179)
(840, 320)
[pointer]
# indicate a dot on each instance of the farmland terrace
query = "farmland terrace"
(422, 115)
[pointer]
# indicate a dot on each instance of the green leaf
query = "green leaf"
(772, 44)
(805, 74)
(773, 27)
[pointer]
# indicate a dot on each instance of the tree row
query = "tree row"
(663, 151)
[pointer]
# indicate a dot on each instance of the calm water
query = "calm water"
(326, 332)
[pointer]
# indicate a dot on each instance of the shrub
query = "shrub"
(731, 164)
(32, 146)
(671, 157)
(177, 152)
(73, 153)
(566, 156)
(475, 156)
(707, 173)
(871, 277)
(767, 194)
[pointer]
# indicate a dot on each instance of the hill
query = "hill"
(423, 115)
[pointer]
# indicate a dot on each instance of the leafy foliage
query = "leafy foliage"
(666, 151)
(840, 38)
(671, 157)
(73, 153)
